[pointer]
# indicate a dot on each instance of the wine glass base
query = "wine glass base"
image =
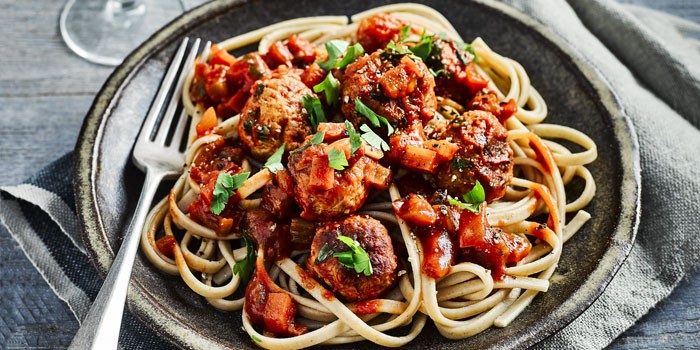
(105, 32)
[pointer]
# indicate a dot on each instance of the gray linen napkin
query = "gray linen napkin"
(667, 64)
(657, 84)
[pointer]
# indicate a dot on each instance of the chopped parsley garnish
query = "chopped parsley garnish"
(355, 138)
(460, 164)
(245, 267)
(374, 118)
(351, 54)
(225, 187)
(336, 159)
(323, 254)
(318, 138)
(373, 139)
(423, 48)
(331, 88)
(315, 140)
(405, 31)
(255, 338)
(335, 49)
(274, 163)
(435, 73)
(472, 199)
(356, 258)
(315, 109)
(462, 49)
(397, 49)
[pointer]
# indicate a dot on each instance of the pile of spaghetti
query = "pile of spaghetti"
(346, 180)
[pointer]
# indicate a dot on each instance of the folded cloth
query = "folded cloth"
(40, 214)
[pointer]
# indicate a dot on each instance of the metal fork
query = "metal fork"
(159, 160)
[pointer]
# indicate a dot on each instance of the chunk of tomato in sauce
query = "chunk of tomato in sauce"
(376, 32)
(489, 246)
(438, 252)
(313, 75)
(488, 101)
(278, 54)
(303, 51)
(415, 209)
(269, 307)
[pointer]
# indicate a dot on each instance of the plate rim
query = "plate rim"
(101, 255)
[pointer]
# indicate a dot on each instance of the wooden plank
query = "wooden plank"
(37, 130)
(35, 60)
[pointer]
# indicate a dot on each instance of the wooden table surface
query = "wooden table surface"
(45, 91)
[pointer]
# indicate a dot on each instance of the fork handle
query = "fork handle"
(100, 328)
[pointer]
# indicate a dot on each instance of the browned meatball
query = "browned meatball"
(394, 86)
(484, 155)
(374, 239)
(274, 114)
(324, 193)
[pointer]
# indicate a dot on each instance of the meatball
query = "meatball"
(484, 155)
(373, 33)
(394, 86)
(274, 114)
(324, 193)
(374, 239)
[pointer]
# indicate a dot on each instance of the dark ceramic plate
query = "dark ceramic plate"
(108, 185)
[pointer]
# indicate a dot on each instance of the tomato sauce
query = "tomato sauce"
(270, 307)
(366, 307)
(489, 246)
(166, 245)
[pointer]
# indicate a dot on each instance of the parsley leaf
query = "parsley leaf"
(335, 49)
(315, 140)
(356, 258)
(331, 87)
(435, 73)
(336, 159)
(473, 199)
(373, 139)
(476, 195)
(423, 47)
(351, 54)
(355, 139)
(274, 163)
(405, 31)
(318, 138)
(460, 164)
(323, 254)
(374, 118)
(245, 267)
(315, 110)
(225, 187)
(345, 258)
(463, 52)
(397, 49)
